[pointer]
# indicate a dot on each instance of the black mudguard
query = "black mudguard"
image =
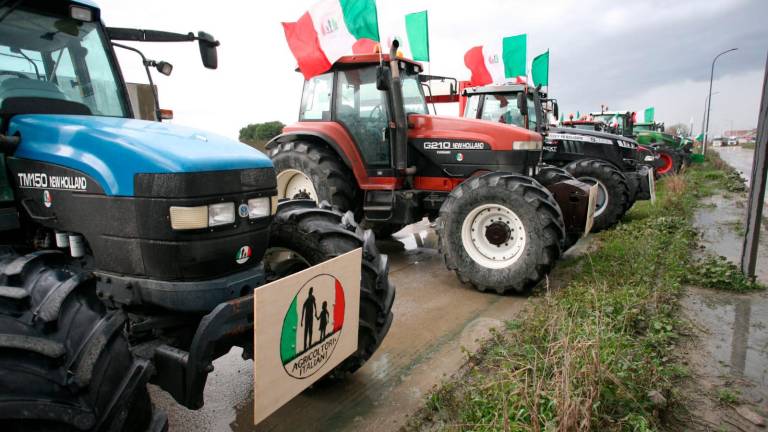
(573, 198)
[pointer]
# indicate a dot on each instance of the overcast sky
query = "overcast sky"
(627, 55)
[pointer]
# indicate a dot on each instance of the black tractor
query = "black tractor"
(611, 162)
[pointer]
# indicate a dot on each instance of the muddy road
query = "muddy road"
(436, 320)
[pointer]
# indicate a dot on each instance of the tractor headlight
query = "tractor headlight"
(184, 218)
(649, 158)
(221, 214)
(259, 207)
(526, 145)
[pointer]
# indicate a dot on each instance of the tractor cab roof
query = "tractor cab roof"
(510, 87)
(373, 58)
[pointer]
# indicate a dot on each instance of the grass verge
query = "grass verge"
(597, 355)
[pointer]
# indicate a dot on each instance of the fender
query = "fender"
(337, 138)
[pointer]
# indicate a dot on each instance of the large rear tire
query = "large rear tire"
(64, 360)
(304, 235)
(309, 171)
(613, 191)
(500, 232)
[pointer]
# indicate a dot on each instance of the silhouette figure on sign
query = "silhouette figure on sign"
(323, 320)
(308, 318)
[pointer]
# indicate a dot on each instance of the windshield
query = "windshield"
(502, 108)
(413, 96)
(615, 121)
(57, 57)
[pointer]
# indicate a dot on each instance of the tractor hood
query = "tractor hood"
(113, 150)
(589, 133)
(498, 136)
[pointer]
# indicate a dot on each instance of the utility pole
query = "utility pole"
(709, 105)
(704, 114)
(757, 186)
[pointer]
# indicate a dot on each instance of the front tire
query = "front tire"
(303, 235)
(65, 363)
(517, 237)
(309, 171)
(613, 191)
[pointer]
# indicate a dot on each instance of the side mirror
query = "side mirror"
(164, 68)
(382, 81)
(555, 110)
(208, 50)
(522, 104)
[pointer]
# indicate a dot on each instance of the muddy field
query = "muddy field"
(437, 319)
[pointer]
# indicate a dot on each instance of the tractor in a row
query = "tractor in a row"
(130, 250)
(366, 142)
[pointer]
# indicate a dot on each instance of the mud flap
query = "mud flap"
(577, 203)
(647, 183)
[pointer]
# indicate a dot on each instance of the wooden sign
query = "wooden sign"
(304, 325)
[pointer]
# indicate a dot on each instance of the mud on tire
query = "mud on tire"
(64, 360)
(535, 208)
(615, 184)
(330, 177)
(318, 234)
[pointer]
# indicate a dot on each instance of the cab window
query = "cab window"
(316, 98)
(362, 109)
(503, 109)
(470, 110)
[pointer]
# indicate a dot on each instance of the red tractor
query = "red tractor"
(365, 142)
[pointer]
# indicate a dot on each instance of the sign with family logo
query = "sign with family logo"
(304, 325)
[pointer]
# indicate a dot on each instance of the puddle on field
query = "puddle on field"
(735, 342)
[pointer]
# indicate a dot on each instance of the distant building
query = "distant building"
(741, 136)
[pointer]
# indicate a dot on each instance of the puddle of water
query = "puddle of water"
(735, 344)
(739, 158)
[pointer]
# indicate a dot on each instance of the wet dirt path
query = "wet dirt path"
(730, 349)
(436, 320)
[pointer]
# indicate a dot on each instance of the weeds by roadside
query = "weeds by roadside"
(598, 354)
(718, 273)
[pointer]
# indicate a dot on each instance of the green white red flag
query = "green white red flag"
(331, 29)
(497, 61)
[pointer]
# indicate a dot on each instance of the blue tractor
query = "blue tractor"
(130, 249)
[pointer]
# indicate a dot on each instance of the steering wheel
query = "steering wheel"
(373, 116)
(14, 73)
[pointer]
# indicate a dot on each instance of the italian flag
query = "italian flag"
(497, 61)
(291, 337)
(331, 29)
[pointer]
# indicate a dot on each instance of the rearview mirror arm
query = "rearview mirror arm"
(146, 64)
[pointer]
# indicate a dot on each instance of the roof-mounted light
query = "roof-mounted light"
(81, 13)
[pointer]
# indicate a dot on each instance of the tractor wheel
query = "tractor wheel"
(64, 360)
(633, 182)
(500, 232)
(612, 190)
(671, 162)
(309, 171)
(303, 235)
(549, 174)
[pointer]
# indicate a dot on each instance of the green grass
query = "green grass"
(586, 357)
(727, 396)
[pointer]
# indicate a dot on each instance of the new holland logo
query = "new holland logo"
(330, 25)
(312, 326)
(47, 199)
(243, 255)
(493, 59)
